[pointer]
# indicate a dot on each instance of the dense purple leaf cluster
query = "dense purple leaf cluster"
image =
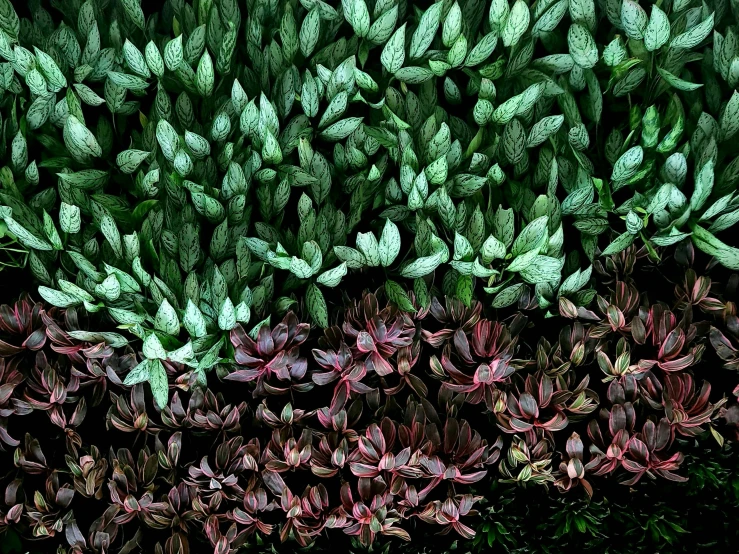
(380, 423)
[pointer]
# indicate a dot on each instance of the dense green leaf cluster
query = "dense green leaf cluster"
(215, 162)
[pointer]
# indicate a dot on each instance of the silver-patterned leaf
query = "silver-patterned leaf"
(508, 296)
(316, 304)
(677, 82)
(173, 54)
(129, 160)
(516, 24)
(425, 32)
(154, 59)
(482, 50)
(310, 30)
(729, 122)
(628, 164)
(383, 27)
(657, 32)
(582, 46)
(69, 218)
(583, 12)
(393, 53)
(694, 36)
(543, 129)
(135, 60)
(87, 95)
(80, 141)
(166, 319)
(110, 231)
(357, 15)
(332, 277)
(389, 246)
(341, 129)
(634, 19)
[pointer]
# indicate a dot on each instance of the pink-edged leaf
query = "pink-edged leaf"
(379, 364)
(463, 530)
(520, 426)
(363, 470)
(365, 342)
(470, 478)
(243, 375)
(528, 405)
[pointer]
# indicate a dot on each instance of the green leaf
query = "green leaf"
(694, 36)
(310, 31)
(152, 348)
(40, 111)
(703, 187)
(110, 288)
(138, 374)
(135, 13)
(531, 237)
(482, 50)
(129, 160)
(383, 27)
(398, 296)
(726, 255)
(158, 383)
(516, 24)
(332, 277)
(357, 15)
(25, 237)
(634, 19)
(583, 12)
(125, 317)
(300, 268)
(69, 218)
(79, 140)
(173, 55)
(551, 18)
(542, 269)
(194, 321)
(582, 46)
(205, 76)
(353, 258)
(316, 304)
(508, 296)
(729, 122)
(335, 109)
(543, 129)
(621, 243)
(128, 82)
(154, 59)
(628, 164)
(135, 60)
(57, 298)
(367, 244)
(389, 247)
(227, 316)
(393, 54)
(425, 32)
(166, 319)
(51, 233)
(422, 266)
(676, 82)
(110, 231)
(414, 75)
(86, 179)
(341, 129)
(657, 32)
(522, 261)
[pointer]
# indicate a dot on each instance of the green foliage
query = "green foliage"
(213, 162)
(696, 516)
